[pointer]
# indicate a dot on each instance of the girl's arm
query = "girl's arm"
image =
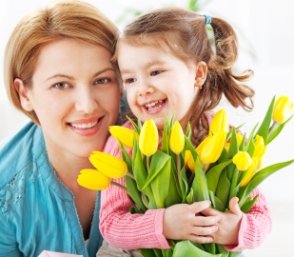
(255, 225)
(239, 231)
(129, 231)
(123, 229)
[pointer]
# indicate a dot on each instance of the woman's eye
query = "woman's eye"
(155, 72)
(61, 85)
(102, 81)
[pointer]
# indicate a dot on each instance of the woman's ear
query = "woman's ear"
(23, 95)
(201, 74)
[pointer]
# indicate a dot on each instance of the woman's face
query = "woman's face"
(75, 95)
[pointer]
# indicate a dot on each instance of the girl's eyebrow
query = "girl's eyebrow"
(147, 65)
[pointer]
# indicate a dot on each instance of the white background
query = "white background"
(266, 35)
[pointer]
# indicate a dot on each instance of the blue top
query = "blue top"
(37, 212)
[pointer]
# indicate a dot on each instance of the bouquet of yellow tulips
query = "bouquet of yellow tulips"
(225, 164)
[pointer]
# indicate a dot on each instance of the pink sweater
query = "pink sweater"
(134, 231)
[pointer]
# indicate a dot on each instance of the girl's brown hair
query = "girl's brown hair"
(184, 34)
(69, 19)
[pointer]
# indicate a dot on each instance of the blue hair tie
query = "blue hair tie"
(207, 19)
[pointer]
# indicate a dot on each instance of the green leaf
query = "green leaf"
(213, 175)
(165, 137)
(248, 204)
(223, 187)
(160, 185)
(136, 126)
(261, 176)
(138, 166)
(265, 125)
(190, 196)
(188, 249)
(199, 184)
(234, 181)
(134, 194)
(233, 145)
(275, 130)
(158, 161)
(126, 157)
(184, 179)
(216, 202)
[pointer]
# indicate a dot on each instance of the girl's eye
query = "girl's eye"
(129, 80)
(155, 72)
(61, 85)
(102, 81)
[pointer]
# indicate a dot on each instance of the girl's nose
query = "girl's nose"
(86, 101)
(145, 88)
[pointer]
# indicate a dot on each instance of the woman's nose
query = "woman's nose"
(86, 101)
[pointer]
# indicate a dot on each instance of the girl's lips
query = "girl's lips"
(86, 127)
(154, 107)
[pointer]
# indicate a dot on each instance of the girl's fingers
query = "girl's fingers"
(201, 239)
(198, 207)
(203, 221)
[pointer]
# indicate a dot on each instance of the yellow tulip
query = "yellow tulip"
(109, 165)
(177, 138)
(93, 179)
(256, 163)
(259, 146)
(219, 122)
(242, 160)
(210, 149)
(148, 139)
(123, 135)
(283, 109)
(189, 160)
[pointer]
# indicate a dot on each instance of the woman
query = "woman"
(59, 73)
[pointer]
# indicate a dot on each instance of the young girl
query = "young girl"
(169, 69)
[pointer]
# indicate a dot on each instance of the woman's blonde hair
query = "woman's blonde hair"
(68, 19)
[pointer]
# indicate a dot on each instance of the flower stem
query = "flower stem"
(118, 185)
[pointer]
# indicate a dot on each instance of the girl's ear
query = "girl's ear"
(201, 74)
(23, 95)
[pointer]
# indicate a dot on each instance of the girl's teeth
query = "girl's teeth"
(150, 105)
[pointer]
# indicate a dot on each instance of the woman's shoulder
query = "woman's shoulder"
(19, 152)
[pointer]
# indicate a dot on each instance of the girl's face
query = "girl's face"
(75, 95)
(157, 84)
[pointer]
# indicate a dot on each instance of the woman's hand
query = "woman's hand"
(185, 222)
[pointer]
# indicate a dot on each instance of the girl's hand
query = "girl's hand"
(229, 223)
(184, 222)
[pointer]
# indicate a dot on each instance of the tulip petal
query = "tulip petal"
(177, 138)
(148, 139)
(93, 179)
(211, 147)
(109, 165)
(219, 122)
(123, 135)
(242, 160)
(283, 109)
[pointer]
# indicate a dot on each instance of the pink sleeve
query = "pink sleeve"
(255, 225)
(123, 229)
